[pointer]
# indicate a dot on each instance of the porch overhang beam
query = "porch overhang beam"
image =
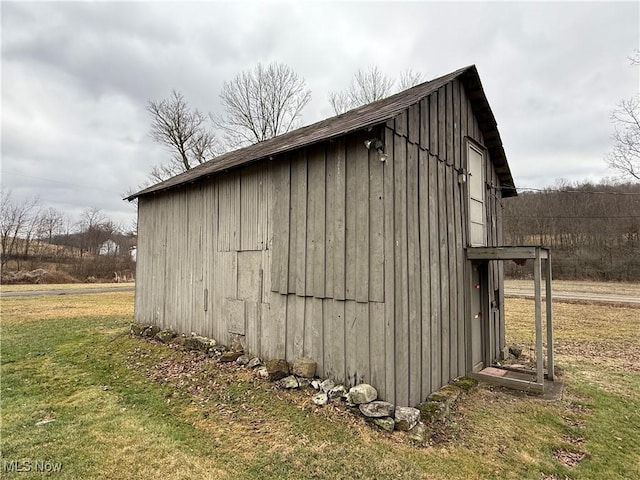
(541, 270)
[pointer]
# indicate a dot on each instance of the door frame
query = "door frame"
(485, 330)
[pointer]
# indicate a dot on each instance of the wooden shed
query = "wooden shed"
(345, 241)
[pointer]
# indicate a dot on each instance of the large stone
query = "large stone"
(217, 350)
(137, 328)
(337, 392)
(254, 362)
(165, 336)
(229, 356)
(385, 423)
(327, 385)
(406, 418)
(320, 399)
(289, 382)
(363, 393)
(243, 359)
(304, 367)
(376, 409)
(278, 368)
(261, 372)
(150, 331)
(196, 342)
(515, 350)
(316, 384)
(418, 433)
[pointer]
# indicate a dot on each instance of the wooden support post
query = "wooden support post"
(550, 365)
(538, 302)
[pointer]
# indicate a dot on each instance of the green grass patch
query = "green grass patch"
(77, 390)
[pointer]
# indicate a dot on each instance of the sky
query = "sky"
(77, 77)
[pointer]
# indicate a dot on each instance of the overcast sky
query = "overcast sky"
(76, 78)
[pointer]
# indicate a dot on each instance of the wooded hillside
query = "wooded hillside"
(592, 229)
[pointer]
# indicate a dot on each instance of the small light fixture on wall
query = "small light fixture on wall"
(462, 175)
(377, 144)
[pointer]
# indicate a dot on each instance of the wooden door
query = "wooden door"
(476, 318)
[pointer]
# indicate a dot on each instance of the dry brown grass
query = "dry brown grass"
(599, 334)
(16, 310)
(574, 286)
(62, 286)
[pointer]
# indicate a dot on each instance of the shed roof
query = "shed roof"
(362, 117)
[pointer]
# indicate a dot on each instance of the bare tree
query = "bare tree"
(95, 228)
(409, 78)
(625, 156)
(16, 222)
(261, 103)
(366, 86)
(184, 132)
(370, 85)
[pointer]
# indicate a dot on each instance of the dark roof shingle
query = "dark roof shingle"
(353, 120)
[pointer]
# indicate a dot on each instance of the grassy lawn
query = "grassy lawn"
(571, 286)
(77, 390)
(61, 286)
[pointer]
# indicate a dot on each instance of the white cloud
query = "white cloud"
(76, 77)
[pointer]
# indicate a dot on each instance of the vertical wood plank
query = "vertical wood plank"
(249, 209)
(414, 281)
(444, 272)
(389, 267)
(401, 271)
(316, 222)
(434, 256)
(330, 207)
(413, 123)
(363, 360)
(281, 186)
(425, 271)
(316, 348)
(351, 342)
(376, 355)
(449, 122)
(301, 221)
(336, 365)
(452, 275)
(457, 86)
(376, 228)
(351, 216)
(460, 284)
(295, 327)
(401, 124)
(308, 329)
(442, 124)
(424, 123)
(264, 204)
(296, 209)
(361, 280)
(339, 261)
(276, 335)
(433, 123)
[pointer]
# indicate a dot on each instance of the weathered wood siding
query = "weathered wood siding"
(330, 253)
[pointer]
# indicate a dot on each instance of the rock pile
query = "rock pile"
(415, 422)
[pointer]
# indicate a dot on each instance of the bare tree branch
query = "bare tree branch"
(260, 104)
(368, 86)
(625, 156)
(409, 79)
(183, 131)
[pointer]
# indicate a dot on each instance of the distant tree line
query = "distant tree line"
(33, 236)
(592, 229)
